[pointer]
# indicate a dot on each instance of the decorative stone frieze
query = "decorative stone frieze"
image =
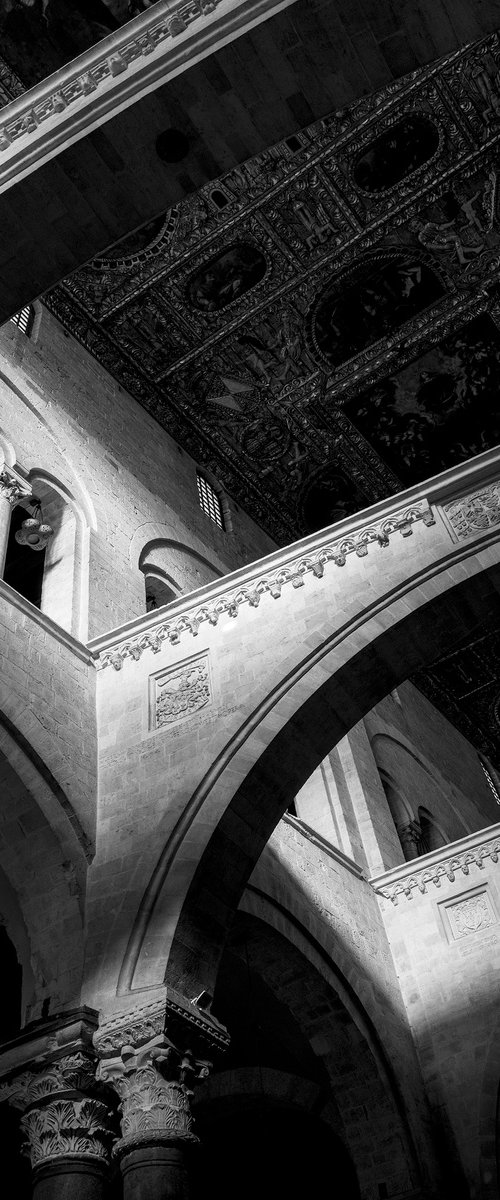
(292, 572)
(61, 1117)
(476, 513)
(447, 866)
(152, 1058)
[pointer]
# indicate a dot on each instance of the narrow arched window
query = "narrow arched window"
(209, 500)
(24, 319)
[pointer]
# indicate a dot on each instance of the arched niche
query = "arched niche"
(371, 301)
(168, 564)
(54, 579)
(396, 153)
(159, 589)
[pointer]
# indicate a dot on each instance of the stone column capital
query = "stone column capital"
(64, 1116)
(153, 1056)
(12, 485)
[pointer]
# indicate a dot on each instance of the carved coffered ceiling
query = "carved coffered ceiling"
(321, 327)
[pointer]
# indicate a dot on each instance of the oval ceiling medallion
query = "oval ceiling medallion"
(370, 303)
(394, 155)
(223, 279)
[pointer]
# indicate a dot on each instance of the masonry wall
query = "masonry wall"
(66, 415)
(444, 934)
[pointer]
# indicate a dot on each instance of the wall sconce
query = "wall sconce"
(33, 532)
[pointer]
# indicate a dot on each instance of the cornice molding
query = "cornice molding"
(114, 74)
(171, 1013)
(443, 864)
(292, 570)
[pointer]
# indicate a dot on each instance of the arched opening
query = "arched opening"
(52, 578)
(158, 592)
(24, 567)
(172, 569)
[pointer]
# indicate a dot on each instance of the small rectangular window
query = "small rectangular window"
(209, 500)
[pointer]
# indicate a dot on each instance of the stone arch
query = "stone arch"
(47, 889)
(347, 1077)
(293, 748)
(179, 566)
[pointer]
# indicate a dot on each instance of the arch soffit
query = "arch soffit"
(78, 500)
(47, 793)
(271, 916)
(276, 758)
(336, 966)
(245, 1082)
(149, 535)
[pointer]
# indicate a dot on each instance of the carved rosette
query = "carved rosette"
(61, 1118)
(153, 1084)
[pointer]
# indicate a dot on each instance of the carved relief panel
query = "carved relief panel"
(179, 692)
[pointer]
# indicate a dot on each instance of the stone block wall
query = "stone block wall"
(442, 917)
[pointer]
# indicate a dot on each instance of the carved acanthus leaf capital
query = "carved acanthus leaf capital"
(154, 1083)
(63, 1116)
(67, 1129)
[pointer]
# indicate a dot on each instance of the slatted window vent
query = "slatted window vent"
(209, 500)
(24, 319)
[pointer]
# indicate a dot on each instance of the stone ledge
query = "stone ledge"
(324, 845)
(46, 623)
